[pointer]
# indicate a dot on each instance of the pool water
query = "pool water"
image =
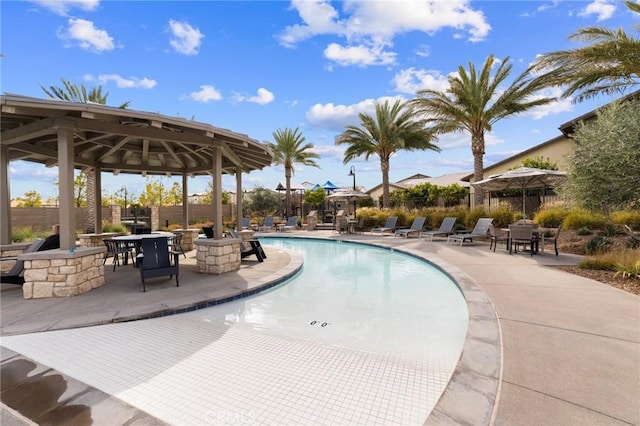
(361, 335)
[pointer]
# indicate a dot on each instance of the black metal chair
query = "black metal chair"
(208, 231)
(117, 249)
(175, 243)
(156, 260)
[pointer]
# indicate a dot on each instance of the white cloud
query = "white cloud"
(330, 152)
(412, 80)
(122, 82)
(62, 7)
(558, 106)
(336, 117)
(360, 55)
(370, 26)
(185, 39)
(87, 35)
(423, 51)
(603, 9)
(206, 94)
(263, 97)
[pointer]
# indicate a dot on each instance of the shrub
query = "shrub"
(579, 218)
(625, 261)
(609, 230)
(502, 214)
(598, 244)
(597, 263)
(114, 227)
(632, 243)
(550, 217)
(628, 264)
(473, 216)
(26, 233)
(584, 231)
(631, 218)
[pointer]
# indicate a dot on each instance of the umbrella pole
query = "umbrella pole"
(524, 209)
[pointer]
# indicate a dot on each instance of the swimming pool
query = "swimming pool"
(361, 336)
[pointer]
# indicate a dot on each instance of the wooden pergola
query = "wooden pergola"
(107, 139)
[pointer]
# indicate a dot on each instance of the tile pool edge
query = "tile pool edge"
(472, 394)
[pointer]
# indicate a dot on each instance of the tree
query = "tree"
(289, 148)
(154, 193)
(80, 190)
(474, 102)
(74, 93)
(604, 171)
(609, 63)
(174, 196)
(538, 163)
(207, 198)
(264, 202)
(394, 128)
(30, 199)
(315, 197)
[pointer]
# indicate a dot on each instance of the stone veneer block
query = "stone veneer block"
(60, 273)
(217, 256)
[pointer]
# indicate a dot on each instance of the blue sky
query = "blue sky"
(257, 66)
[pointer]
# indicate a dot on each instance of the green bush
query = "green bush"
(503, 214)
(609, 230)
(579, 218)
(631, 218)
(632, 243)
(550, 217)
(598, 244)
(473, 216)
(114, 227)
(25, 233)
(584, 231)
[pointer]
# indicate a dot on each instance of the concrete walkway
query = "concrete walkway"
(570, 346)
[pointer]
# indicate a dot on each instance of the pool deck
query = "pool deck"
(570, 346)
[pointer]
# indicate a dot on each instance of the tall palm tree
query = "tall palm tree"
(475, 101)
(73, 93)
(395, 127)
(289, 148)
(608, 64)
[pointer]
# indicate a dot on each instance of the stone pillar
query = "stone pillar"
(155, 218)
(188, 238)
(116, 214)
(61, 273)
(217, 256)
(312, 220)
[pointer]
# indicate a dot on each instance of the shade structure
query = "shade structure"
(522, 178)
(348, 195)
(329, 186)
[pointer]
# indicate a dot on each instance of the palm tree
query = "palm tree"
(608, 65)
(289, 148)
(73, 93)
(394, 128)
(474, 102)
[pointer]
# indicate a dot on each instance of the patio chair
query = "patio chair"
(15, 275)
(495, 238)
(521, 235)
(157, 261)
(246, 223)
(208, 231)
(389, 226)
(116, 249)
(267, 225)
(342, 225)
(479, 231)
(292, 223)
(416, 228)
(446, 228)
(256, 247)
(175, 244)
(555, 238)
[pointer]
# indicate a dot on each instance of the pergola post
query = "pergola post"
(5, 197)
(239, 197)
(217, 193)
(67, 219)
(97, 197)
(185, 202)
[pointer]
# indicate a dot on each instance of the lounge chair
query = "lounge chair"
(389, 226)
(15, 274)
(479, 231)
(156, 260)
(446, 228)
(416, 228)
(256, 247)
(246, 223)
(292, 223)
(267, 225)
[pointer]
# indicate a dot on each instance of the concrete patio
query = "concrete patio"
(570, 346)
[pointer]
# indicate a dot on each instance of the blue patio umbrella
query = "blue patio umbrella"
(329, 186)
(316, 186)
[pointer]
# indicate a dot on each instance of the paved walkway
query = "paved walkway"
(570, 346)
